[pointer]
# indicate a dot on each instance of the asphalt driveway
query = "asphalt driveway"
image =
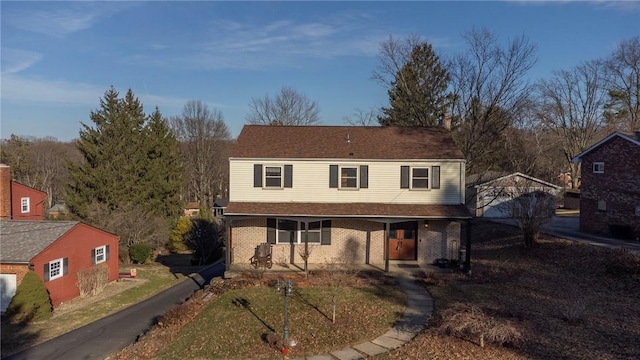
(111, 334)
(568, 227)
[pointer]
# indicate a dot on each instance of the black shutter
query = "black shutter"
(93, 256)
(65, 266)
(46, 272)
(257, 175)
(106, 256)
(404, 177)
(364, 176)
(326, 233)
(435, 177)
(333, 176)
(271, 230)
(288, 176)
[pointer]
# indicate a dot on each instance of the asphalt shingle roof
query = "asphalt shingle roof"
(20, 241)
(345, 142)
(372, 210)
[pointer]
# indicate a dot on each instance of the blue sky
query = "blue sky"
(58, 58)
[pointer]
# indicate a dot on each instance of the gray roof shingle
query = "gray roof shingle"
(20, 241)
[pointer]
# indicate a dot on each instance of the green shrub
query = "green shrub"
(176, 240)
(31, 302)
(140, 253)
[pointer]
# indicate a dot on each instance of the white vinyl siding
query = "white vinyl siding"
(311, 183)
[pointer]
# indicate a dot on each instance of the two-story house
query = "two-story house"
(610, 189)
(364, 195)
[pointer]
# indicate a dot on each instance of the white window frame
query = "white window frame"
(299, 232)
(56, 269)
(411, 177)
(357, 177)
(598, 167)
(266, 177)
(25, 205)
(101, 251)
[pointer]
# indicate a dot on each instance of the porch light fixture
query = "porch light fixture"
(426, 224)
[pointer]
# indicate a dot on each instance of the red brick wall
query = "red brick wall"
(76, 245)
(5, 192)
(618, 186)
(36, 202)
(19, 269)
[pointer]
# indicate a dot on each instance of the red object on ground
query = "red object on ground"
(285, 351)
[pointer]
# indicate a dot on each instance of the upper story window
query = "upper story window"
(420, 177)
(272, 176)
(349, 177)
(24, 205)
(598, 167)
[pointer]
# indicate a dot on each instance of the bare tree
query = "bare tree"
(571, 107)
(489, 89)
(361, 117)
(623, 84)
(394, 54)
(204, 138)
(529, 203)
(289, 107)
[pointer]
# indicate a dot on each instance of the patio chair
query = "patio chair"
(262, 256)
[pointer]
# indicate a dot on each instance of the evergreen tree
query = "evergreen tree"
(131, 164)
(418, 96)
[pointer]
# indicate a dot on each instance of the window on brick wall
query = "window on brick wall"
(598, 168)
(285, 231)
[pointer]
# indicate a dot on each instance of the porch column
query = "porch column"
(228, 255)
(386, 246)
(467, 266)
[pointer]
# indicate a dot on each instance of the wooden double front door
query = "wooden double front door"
(402, 241)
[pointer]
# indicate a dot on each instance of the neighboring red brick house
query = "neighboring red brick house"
(19, 202)
(610, 191)
(56, 251)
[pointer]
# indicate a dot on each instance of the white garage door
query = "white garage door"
(7, 289)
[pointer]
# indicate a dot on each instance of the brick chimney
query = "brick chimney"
(5, 192)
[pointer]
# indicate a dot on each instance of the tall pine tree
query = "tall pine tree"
(418, 96)
(131, 163)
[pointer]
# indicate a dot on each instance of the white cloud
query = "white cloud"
(57, 20)
(16, 60)
(30, 90)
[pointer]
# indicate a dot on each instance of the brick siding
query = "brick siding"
(348, 242)
(19, 269)
(618, 187)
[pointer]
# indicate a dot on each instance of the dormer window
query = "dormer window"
(598, 167)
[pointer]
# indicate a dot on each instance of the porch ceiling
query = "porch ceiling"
(368, 210)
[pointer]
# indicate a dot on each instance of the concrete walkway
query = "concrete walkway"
(419, 310)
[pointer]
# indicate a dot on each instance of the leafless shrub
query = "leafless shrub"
(93, 280)
(339, 274)
(305, 253)
(466, 320)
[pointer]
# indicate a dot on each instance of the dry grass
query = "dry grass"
(568, 300)
(243, 319)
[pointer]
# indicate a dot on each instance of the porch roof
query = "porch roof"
(349, 210)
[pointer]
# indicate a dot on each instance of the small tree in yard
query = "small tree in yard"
(31, 301)
(528, 205)
(205, 239)
(339, 275)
